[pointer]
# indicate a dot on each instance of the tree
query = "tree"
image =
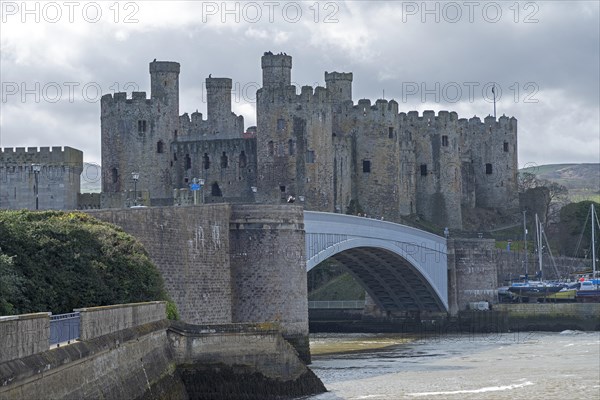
(576, 241)
(557, 194)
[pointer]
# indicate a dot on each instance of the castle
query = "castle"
(317, 147)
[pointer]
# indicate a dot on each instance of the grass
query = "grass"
(343, 287)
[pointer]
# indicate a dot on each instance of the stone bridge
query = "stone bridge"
(401, 268)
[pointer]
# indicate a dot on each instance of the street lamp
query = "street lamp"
(36, 171)
(135, 176)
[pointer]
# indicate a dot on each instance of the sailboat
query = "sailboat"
(589, 289)
(537, 289)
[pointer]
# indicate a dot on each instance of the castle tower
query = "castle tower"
(293, 140)
(136, 136)
(339, 86)
(164, 83)
(277, 69)
(218, 98)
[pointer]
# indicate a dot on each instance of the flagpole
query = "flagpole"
(494, 92)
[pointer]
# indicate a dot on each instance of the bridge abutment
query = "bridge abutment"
(472, 273)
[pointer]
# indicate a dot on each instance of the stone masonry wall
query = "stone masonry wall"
(473, 272)
(268, 267)
(190, 246)
(98, 321)
(58, 179)
(23, 335)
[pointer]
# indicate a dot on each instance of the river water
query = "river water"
(523, 365)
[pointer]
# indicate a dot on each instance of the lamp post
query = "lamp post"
(197, 184)
(201, 183)
(36, 171)
(135, 176)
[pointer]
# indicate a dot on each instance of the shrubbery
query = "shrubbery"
(58, 261)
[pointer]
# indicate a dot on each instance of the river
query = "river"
(523, 365)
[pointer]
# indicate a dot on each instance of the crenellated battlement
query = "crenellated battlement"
(54, 152)
(429, 117)
(121, 98)
(318, 96)
(381, 107)
(489, 123)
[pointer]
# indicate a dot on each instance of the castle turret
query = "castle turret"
(339, 86)
(277, 69)
(218, 98)
(164, 83)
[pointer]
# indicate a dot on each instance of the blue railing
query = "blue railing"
(64, 328)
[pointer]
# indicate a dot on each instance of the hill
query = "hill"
(582, 180)
(91, 178)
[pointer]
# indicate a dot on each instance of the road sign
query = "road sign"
(195, 186)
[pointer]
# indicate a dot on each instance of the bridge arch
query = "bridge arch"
(401, 268)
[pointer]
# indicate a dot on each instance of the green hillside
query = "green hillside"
(582, 180)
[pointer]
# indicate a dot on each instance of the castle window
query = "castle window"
(206, 161)
(115, 175)
(174, 156)
(175, 134)
(292, 147)
(282, 189)
(310, 156)
(488, 169)
(215, 190)
(141, 126)
(188, 162)
(159, 147)
(444, 140)
(423, 169)
(270, 147)
(242, 159)
(391, 132)
(280, 124)
(224, 160)
(366, 166)
(506, 147)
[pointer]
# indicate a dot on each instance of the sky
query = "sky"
(542, 57)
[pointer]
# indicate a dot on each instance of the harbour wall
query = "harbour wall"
(132, 351)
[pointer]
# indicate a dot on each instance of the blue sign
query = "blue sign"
(195, 186)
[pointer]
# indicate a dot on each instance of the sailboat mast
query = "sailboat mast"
(525, 239)
(593, 244)
(538, 233)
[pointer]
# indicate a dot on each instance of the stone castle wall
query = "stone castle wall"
(190, 247)
(225, 263)
(58, 179)
(314, 144)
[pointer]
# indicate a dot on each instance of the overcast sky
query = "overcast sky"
(542, 56)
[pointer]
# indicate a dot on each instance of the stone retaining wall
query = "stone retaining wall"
(98, 321)
(23, 335)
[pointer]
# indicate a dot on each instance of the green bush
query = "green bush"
(57, 261)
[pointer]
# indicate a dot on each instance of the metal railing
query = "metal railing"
(64, 327)
(337, 304)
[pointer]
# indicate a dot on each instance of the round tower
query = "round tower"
(277, 69)
(164, 83)
(218, 98)
(339, 86)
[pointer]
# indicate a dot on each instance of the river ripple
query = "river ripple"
(523, 365)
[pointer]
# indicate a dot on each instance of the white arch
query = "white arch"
(328, 234)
